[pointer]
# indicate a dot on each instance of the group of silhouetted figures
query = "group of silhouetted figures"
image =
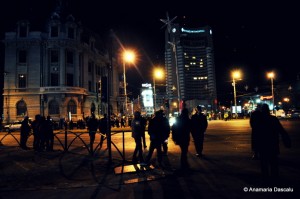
(266, 133)
(159, 131)
(42, 129)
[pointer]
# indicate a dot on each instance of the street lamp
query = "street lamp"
(271, 75)
(128, 56)
(158, 73)
(236, 75)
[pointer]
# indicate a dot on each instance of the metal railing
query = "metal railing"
(66, 138)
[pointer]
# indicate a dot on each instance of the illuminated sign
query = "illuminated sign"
(147, 97)
(146, 85)
(266, 97)
(192, 31)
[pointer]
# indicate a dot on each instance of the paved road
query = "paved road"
(226, 171)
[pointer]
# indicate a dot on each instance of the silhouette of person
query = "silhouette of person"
(268, 142)
(158, 130)
(49, 134)
(183, 128)
(103, 124)
(35, 125)
(254, 123)
(92, 127)
(166, 134)
(137, 133)
(25, 131)
(199, 126)
(144, 124)
(122, 122)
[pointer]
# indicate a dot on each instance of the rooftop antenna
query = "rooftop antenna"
(168, 22)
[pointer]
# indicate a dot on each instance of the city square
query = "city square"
(225, 171)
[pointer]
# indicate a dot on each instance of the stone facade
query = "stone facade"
(55, 72)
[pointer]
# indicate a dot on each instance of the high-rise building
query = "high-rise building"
(56, 71)
(190, 69)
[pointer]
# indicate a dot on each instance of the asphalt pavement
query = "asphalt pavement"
(226, 171)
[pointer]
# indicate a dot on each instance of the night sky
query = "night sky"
(254, 36)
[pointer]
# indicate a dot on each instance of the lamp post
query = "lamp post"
(271, 75)
(128, 56)
(235, 76)
(158, 73)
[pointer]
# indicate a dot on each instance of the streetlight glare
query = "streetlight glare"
(158, 73)
(129, 56)
(271, 75)
(236, 74)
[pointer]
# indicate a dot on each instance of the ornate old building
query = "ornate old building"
(56, 71)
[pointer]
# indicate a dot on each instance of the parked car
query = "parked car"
(15, 126)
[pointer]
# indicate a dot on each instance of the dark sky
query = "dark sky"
(255, 36)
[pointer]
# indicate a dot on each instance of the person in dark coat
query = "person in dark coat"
(137, 133)
(25, 132)
(49, 134)
(199, 126)
(268, 142)
(166, 134)
(254, 123)
(158, 130)
(35, 125)
(183, 129)
(92, 127)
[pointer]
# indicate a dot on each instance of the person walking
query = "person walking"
(103, 124)
(137, 133)
(199, 126)
(255, 118)
(158, 129)
(92, 127)
(182, 128)
(25, 132)
(270, 129)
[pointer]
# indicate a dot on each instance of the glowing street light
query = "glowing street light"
(271, 75)
(128, 56)
(158, 73)
(236, 75)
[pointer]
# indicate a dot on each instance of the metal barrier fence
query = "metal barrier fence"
(65, 139)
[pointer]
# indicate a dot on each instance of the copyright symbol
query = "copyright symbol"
(245, 189)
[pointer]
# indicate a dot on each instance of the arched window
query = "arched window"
(21, 108)
(72, 107)
(53, 107)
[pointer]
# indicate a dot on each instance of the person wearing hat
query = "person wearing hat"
(199, 126)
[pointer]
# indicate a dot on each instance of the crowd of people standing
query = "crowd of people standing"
(42, 129)
(266, 133)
